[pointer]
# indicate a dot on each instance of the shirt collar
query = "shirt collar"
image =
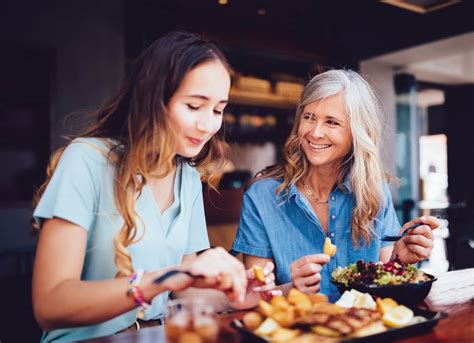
(292, 192)
(346, 187)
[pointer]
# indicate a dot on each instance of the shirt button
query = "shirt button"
(331, 234)
(333, 198)
(333, 217)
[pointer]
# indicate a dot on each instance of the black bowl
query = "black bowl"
(405, 293)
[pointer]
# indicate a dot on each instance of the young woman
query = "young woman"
(331, 184)
(125, 198)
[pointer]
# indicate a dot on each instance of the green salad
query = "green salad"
(393, 272)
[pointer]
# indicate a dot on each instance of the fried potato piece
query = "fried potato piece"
(285, 318)
(283, 334)
(259, 273)
(301, 301)
(279, 302)
(329, 248)
(265, 308)
(318, 298)
(252, 320)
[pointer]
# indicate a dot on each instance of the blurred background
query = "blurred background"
(61, 59)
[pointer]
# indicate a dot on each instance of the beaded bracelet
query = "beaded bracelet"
(135, 292)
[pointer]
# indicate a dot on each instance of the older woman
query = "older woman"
(330, 184)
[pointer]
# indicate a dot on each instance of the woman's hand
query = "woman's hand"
(216, 269)
(258, 290)
(305, 272)
(417, 245)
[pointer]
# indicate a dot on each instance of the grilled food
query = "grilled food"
(306, 317)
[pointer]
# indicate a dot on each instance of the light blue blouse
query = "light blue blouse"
(285, 229)
(82, 192)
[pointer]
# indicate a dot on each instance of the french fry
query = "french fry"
(259, 273)
(329, 248)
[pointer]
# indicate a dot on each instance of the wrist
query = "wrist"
(150, 289)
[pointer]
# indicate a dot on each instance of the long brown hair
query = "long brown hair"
(134, 119)
(362, 165)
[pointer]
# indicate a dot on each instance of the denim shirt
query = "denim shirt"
(287, 228)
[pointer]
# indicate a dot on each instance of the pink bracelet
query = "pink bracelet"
(135, 291)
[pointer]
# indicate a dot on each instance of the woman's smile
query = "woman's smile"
(318, 147)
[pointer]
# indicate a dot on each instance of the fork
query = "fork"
(404, 233)
(172, 272)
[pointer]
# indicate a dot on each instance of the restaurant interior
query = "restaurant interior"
(60, 60)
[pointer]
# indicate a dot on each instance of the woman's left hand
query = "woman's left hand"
(417, 245)
(258, 290)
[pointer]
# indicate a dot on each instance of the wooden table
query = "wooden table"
(453, 293)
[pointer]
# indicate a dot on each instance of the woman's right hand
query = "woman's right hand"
(305, 272)
(216, 269)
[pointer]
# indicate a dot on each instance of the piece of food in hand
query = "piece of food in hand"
(385, 305)
(259, 273)
(285, 335)
(268, 327)
(252, 320)
(329, 248)
(398, 317)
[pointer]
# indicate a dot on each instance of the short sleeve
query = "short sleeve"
(198, 239)
(251, 238)
(390, 224)
(71, 193)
